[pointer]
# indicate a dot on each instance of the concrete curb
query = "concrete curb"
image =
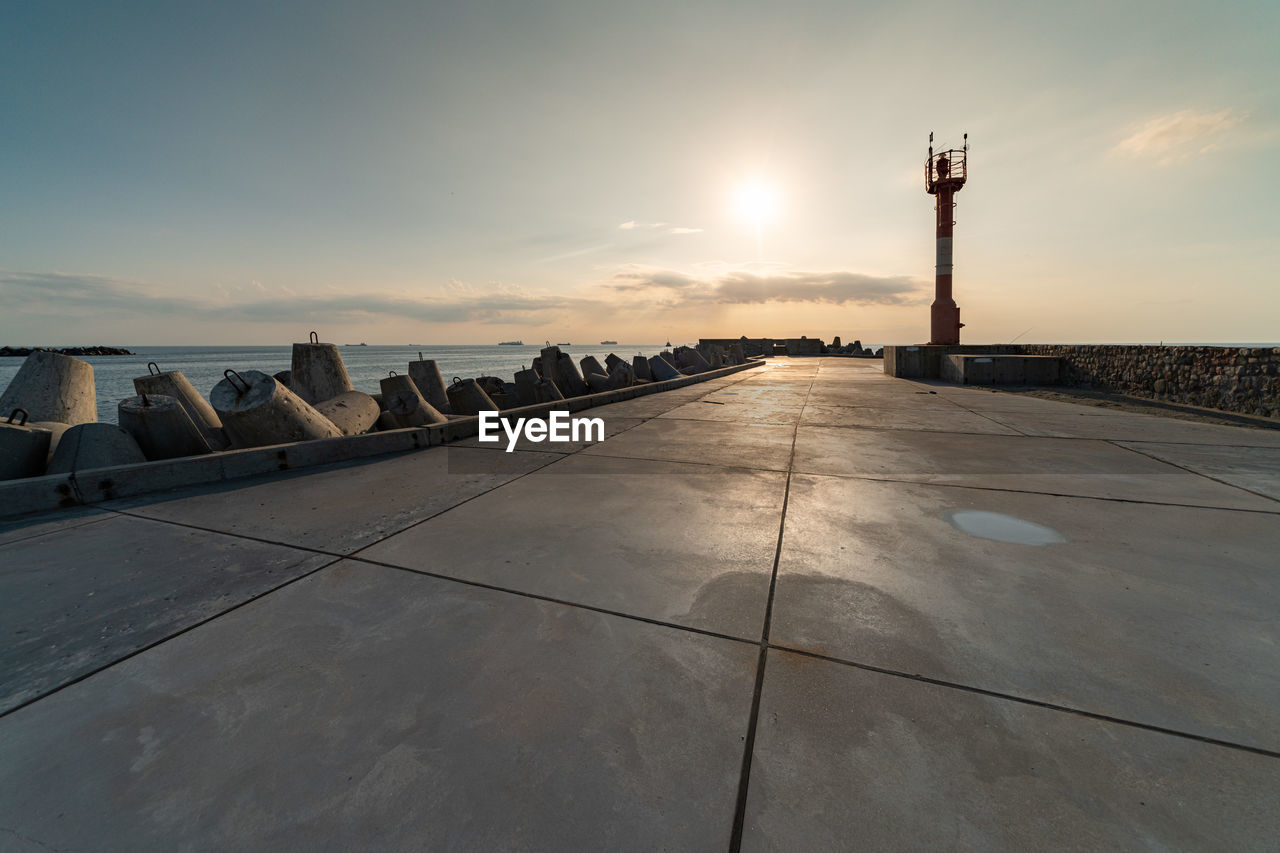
(59, 491)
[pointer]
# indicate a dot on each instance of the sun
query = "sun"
(757, 201)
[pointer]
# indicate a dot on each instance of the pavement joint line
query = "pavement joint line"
(1193, 471)
(127, 513)
(563, 602)
(149, 646)
(1033, 492)
(753, 721)
(1023, 700)
(987, 416)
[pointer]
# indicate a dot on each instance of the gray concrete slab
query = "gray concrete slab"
(25, 527)
(1163, 615)
(1254, 468)
(764, 446)
(930, 418)
(1019, 463)
(342, 508)
(370, 708)
(1100, 423)
(848, 759)
(720, 409)
(81, 597)
(686, 544)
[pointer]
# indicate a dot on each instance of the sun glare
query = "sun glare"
(756, 201)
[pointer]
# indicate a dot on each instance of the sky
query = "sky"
(451, 173)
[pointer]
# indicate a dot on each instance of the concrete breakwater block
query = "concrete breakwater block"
(353, 412)
(161, 426)
(50, 386)
(525, 382)
(611, 361)
(56, 431)
(640, 365)
(548, 364)
(24, 447)
(661, 369)
(545, 391)
(621, 376)
(597, 382)
(171, 383)
(425, 373)
(570, 380)
(256, 410)
(405, 405)
(688, 357)
(95, 445)
(468, 398)
(318, 372)
(591, 364)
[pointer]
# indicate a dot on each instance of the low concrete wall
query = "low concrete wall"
(1244, 380)
(53, 491)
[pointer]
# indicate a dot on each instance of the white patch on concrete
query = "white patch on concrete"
(1002, 528)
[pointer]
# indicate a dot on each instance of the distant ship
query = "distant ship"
(668, 343)
(608, 343)
(361, 344)
(564, 345)
(510, 343)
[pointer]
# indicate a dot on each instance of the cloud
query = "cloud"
(1170, 138)
(458, 302)
(671, 288)
(686, 231)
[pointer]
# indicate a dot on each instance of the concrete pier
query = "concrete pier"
(844, 611)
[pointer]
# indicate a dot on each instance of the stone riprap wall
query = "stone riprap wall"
(1244, 380)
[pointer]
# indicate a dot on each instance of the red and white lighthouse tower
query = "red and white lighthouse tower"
(944, 176)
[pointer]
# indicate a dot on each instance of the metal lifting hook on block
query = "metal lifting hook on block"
(315, 339)
(14, 414)
(156, 372)
(228, 373)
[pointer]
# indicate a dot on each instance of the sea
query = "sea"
(366, 365)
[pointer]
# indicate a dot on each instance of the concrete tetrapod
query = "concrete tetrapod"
(690, 357)
(611, 361)
(161, 426)
(406, 407)
(570, 380)
(171, 383)
(51, 386)
(353, 412)
(621, 377)
(526, 380)
(24, 448)
(86, 446)
(661, 369)
(256, 410)
(591, 364)
(425, 373)
(545, 391)
(597, 382)
(548, 365)
(56, 430)
(736, 356)
(468, 398)
(318, 372)
(640, 365)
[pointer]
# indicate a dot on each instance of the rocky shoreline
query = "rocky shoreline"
(24, 351)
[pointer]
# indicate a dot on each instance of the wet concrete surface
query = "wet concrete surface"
(996, 622)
